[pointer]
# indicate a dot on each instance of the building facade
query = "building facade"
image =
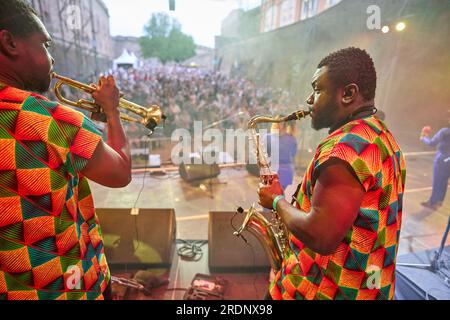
(82, 45)
(121, 43)
(204, 58)
(279, 13)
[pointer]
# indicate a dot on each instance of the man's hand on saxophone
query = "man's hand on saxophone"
(268, 193)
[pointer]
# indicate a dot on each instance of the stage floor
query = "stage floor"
(422, 228)
(415, 282)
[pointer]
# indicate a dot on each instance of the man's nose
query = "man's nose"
(310, 100)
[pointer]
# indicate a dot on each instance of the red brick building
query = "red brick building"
(279, 13)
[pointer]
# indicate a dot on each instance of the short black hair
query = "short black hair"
(352, 65)
(18, 17)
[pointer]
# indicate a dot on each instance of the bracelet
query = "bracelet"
(275, 202)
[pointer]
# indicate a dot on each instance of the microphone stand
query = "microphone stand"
(212, 125)
(438, 261)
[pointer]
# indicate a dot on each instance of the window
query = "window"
(287, 12)
(309, 8)
(269, 19)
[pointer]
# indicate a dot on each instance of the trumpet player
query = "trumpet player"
(48, 227)
(346, 218)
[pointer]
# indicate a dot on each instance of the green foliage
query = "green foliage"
(164, 40)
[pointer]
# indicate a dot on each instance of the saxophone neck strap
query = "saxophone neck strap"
(295, 195)
(363, 112)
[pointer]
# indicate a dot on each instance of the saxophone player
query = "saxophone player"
(48, 227)
(345, 225)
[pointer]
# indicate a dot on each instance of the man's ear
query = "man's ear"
(8, 44)
(349, 93)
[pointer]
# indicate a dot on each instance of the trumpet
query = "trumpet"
(150, 118)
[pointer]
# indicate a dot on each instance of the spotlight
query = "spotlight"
(385, 29)
(400, 26)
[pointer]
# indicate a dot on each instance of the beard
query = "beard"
(323, 116)
(40, 86)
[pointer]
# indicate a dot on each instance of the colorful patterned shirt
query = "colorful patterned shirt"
(363, 266)
(50, 242)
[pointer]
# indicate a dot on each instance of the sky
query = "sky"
(200, 19)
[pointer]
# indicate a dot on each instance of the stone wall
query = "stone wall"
(413, 66)
(82, 44)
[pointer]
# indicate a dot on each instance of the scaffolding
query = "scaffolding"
(75, 50)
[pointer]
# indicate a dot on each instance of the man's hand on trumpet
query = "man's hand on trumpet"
(107, 96)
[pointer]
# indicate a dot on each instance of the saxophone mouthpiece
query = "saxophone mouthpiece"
(299, 115)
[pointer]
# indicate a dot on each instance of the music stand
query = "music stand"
(438, 261)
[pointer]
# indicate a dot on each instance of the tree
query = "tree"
(164, 40)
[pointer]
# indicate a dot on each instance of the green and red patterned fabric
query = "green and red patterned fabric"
(363, 266)
(49, 232)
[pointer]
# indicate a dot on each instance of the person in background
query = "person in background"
(287, 150)
(441, 167)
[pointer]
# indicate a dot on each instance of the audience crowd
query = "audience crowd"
(188, 94)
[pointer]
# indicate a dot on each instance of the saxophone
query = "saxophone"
(272, 234)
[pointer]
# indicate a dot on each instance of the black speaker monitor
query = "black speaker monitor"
(146, 239)
(196, 172)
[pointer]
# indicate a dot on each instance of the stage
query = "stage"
(415, 283)
(422, 228)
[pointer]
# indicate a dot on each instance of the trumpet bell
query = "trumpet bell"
(154, 118)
